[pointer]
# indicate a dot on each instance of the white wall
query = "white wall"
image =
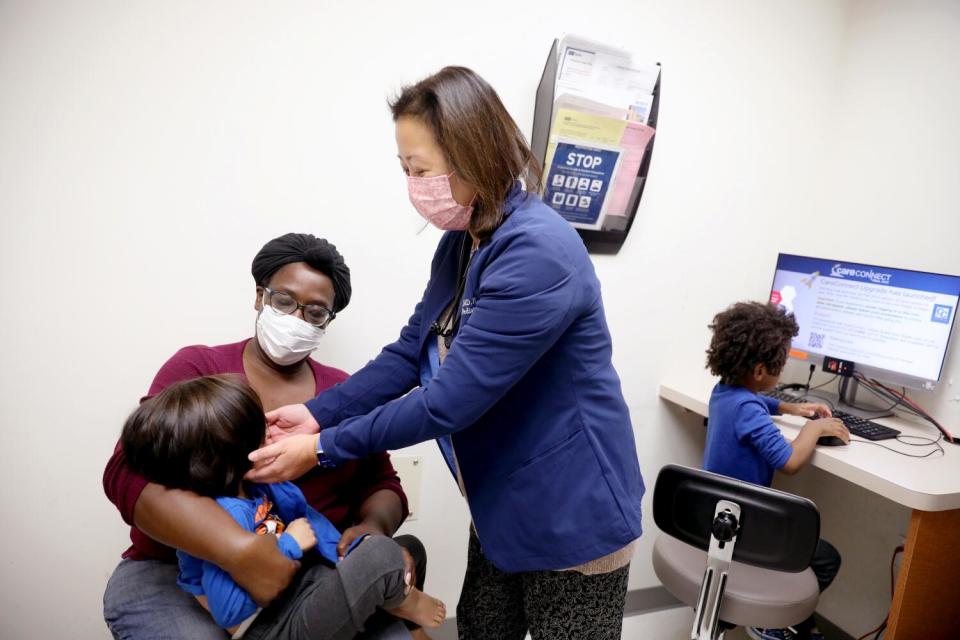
(147, 150)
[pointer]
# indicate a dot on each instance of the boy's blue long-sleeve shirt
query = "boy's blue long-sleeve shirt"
(742, 441)
(228, 602)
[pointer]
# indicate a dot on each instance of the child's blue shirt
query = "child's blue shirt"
(228, 602)
(742, 441)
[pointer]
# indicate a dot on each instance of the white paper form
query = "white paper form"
(585, 105)
(606, 74)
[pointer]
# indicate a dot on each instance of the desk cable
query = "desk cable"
(900, 398)
(903, 440)
(883, 625)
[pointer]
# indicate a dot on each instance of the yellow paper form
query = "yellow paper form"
(584, 127)
(588, 127)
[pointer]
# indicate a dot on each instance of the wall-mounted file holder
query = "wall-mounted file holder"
(585, 182)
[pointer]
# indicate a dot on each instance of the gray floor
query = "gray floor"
(669, 624)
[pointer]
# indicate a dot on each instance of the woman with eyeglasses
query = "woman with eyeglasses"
(506, 361)
(301, 283)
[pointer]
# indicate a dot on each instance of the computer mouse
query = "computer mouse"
(830, 441)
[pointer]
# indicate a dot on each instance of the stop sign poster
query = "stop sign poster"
(579, 180)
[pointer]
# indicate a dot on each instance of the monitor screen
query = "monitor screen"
(893, 323)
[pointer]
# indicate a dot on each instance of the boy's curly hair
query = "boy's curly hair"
(747, 334)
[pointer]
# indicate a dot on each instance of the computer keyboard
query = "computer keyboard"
(782, 396)
(864, 428)
(858, 426)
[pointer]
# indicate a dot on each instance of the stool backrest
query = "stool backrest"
(778, 530)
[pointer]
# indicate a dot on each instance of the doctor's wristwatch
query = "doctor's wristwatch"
(323, 460)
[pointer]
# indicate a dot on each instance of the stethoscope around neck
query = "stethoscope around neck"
(451, 322)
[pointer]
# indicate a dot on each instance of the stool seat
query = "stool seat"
(753, 597)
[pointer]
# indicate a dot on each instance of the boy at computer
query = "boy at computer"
(748, 350)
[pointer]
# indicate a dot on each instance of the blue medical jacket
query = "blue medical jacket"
(527, 394)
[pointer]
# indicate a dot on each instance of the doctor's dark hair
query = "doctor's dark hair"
(481, 141)
(747, 334)
(196, 435)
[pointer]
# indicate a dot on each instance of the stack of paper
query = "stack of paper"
(598, 134)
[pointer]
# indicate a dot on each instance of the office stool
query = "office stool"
(738, 553)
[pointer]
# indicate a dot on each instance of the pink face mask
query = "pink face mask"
(433, 199)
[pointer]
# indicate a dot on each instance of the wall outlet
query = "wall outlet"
(410, 470)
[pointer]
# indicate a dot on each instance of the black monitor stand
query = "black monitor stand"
(848, 398)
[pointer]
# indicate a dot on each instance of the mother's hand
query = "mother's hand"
(285, 460)
(260, 568)
(290, 420)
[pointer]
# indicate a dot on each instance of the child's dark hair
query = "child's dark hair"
(196, 435)
(747, 334)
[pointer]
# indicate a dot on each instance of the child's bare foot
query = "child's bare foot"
(421, 609)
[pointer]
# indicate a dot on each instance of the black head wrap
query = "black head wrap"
(304, 247)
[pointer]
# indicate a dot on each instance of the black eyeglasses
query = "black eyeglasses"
(315, 314)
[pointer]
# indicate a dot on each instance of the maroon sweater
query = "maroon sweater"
(336, 493)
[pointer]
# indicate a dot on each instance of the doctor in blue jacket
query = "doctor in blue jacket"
(506, 362)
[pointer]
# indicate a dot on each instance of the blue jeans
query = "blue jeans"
(143, 602)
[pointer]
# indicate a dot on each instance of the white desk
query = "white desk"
(930, 569)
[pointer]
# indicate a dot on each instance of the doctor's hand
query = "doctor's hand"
(290, 420)
(285, 460)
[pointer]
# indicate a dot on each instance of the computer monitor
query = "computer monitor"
(894, 324)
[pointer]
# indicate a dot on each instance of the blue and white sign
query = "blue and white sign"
(579, 180)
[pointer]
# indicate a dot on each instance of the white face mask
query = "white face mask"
(286, 339)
